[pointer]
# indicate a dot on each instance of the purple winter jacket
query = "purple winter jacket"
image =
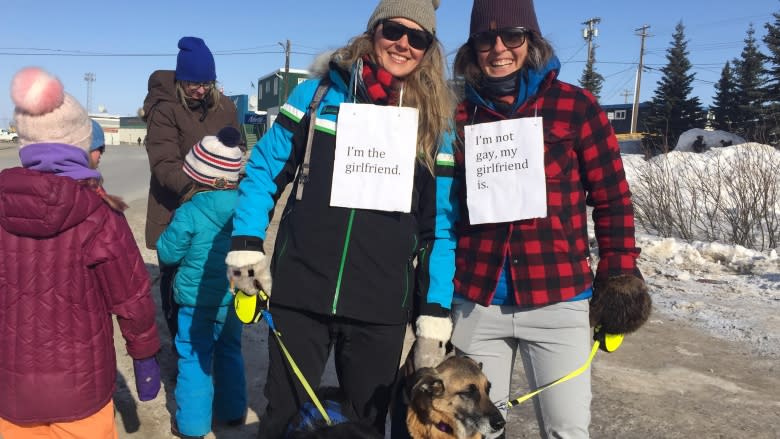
(69, 262)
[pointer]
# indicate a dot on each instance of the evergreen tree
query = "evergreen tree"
(750, 79)
(592, 80)
(724, 106)
(672, 110)
(772, 85)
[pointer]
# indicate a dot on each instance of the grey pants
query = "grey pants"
(553, 341)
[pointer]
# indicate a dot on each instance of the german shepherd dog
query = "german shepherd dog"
(451, 401)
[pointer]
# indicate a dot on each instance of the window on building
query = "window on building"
(276, 86)
(267, 86)
(620, 114)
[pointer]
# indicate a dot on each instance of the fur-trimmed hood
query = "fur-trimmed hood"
(321, 65)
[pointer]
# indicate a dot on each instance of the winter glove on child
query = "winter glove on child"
(147, 378)
(249, 271)
(620, 304)
(430, 348)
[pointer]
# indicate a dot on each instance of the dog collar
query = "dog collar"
(444, 427)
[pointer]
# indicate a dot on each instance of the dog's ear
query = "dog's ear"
(427, 382)
(420, 375)
(435, 387)
(425, 385)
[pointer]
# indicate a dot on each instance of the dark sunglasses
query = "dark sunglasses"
(393, 31)
(512, 37)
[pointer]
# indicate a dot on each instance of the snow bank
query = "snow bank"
(709, 139)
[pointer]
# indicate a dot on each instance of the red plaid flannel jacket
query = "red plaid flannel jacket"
(549, 257)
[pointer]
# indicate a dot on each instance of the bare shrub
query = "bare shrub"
(730, 197)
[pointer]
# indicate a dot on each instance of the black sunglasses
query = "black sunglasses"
(512, 37)
(393, 31)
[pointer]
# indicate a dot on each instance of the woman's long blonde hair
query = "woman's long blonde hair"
(424, 88)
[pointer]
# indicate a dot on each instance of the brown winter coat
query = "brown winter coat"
(172, 130)
(69, 262)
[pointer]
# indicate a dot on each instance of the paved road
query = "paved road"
(125, 169)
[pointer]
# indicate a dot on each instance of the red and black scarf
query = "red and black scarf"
(382, 88)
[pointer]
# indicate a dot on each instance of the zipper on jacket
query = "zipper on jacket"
(409, 268)
(343, 261)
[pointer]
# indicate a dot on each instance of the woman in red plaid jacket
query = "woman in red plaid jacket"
(534, 152)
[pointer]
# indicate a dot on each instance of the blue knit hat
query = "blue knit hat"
(98, 138)
(195, 63)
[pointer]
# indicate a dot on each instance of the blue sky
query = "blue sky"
(135, 38)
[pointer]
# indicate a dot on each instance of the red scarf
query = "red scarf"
(381, 86)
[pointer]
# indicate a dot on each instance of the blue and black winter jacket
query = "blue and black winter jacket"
(338, 261)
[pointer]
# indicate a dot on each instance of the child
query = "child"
(209, 335)
(69, 262)
(98, 145)
(96, 150)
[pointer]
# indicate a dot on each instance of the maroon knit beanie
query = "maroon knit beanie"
(497, 14)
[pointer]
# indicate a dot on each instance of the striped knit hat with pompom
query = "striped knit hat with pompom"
(44, 113)
(216, 160)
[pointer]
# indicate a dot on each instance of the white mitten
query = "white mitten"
(433, 333)
(249, 271)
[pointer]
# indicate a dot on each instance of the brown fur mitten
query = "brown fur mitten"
(620, 304)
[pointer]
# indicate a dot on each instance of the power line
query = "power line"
(575, 54)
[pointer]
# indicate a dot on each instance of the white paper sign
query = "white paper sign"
(375, 153)
(505, 171)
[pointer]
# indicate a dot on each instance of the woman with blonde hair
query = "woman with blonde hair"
(362, 209)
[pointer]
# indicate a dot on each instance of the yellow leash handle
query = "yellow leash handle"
(250, 309)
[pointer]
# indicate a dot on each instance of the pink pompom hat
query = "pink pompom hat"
(44, 113)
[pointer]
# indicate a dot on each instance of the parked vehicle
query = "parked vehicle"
(8, 136)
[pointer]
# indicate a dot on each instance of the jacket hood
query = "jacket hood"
(41, 205)
(320, 66)
(162, 88)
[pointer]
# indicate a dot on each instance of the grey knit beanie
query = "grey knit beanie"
(497, 14)
(422, 12)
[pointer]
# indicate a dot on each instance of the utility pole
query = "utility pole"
(286, 71)
(90, 78)
(635, 109)
(626, 93)
(589, 33)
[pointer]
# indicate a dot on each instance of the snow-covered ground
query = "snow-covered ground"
(730, 291)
